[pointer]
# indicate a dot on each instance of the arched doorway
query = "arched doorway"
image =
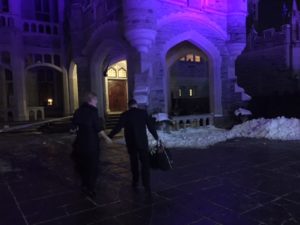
(116, 88)
(188, 80)
(45, 89)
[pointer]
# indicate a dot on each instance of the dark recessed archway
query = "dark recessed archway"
(44, 87)
(188, 80)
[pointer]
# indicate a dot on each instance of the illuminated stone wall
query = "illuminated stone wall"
(270, 63)
(144, 32)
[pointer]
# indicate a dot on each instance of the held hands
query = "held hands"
(108, 140)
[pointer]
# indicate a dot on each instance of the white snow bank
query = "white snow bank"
(279, 128)
(192, 137)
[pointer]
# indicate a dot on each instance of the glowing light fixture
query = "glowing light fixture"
(49, 101)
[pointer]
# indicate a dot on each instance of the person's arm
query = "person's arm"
(106, 138)
(100, 129)
(118, 127)
(151, 127)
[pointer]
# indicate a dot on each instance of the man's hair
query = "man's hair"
(132, 102)
(89, 96)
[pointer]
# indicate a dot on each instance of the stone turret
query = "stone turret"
(140, 23)
(237, 12)
(295, 22)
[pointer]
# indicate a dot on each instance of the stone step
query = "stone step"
(111, 121)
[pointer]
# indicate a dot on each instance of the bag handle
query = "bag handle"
(160, 147)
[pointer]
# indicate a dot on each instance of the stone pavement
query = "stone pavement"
(238, 182)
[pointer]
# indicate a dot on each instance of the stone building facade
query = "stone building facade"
(34, 78)
(270, 63)
(55, 51)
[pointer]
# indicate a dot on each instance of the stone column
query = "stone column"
(18, 65)
(236, 22)
(142, 80)
(140, 31)
(237, 12)
(66, 92)
(73, 85)
(83, 78)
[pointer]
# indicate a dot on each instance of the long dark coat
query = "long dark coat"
(135, 122)
(89, 124)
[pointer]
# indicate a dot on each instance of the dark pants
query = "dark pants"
(88, 170)
(143, 157)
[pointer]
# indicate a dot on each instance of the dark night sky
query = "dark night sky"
(270, 13)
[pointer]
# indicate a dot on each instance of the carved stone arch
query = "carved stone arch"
(214, 58)
(109, 51)
(201, 20)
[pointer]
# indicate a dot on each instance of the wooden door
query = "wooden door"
(117, 95)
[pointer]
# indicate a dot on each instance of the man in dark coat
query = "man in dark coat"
(135, 121)
(86, 145)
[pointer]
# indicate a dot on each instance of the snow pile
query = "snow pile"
(191, 137)
(279, 128)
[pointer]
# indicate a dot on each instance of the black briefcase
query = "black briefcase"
(160, 158)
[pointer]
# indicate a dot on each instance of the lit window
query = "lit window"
(122, 73)
(49, 101)
(111, 72)
(190, 57)
(197, 58)
(191, 92)
(179, 92)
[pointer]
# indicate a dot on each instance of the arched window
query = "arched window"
(2, 21)
(55, 31)
(41, 28)
(48, 29)
(57, 60)
(26, 27)
(38, 58)
(33, 28)
(4, 6)
(5, 57)
(42, 10)
(122, 73)
(111, 72)
(47, 58)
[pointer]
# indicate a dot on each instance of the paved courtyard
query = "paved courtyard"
(238, 182)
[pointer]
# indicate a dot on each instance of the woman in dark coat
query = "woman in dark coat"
(86, 145)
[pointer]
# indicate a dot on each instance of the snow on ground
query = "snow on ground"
(279, 128)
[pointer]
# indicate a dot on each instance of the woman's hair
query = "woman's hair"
(89, 96)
